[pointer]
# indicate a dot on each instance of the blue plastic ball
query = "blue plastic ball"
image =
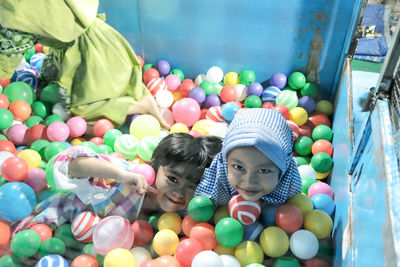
(17, 201)
(198, 94)
(254, 88)
(323, 202)
(52, 260)
(212, 100)
(306, 102)
(21, 148)
(268, 215)
(270, 93)
(229, 110)
(253, 231)
(27, 77)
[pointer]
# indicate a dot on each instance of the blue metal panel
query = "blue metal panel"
(265, 36)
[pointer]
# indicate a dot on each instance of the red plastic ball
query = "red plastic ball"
(204, 233)
(14, 169)
(143, 232)
(187, 224)
(36, 132)
(268, 105)
(83, 225)
(97, 141)
(5, 82)
(316, 262)
(85, 260)
(284, 110)
(38, 48)
(4, 102)
(203, 113)
(149, 75)
(195, 133)
(289, 218)
(101, 127)
(186, 250)
(6, 145)
(141, 61)
(322, 146)
(295, 129)
(246, 212)
(42, 230)
(186, 86)
(228, 93)
(305, 131)
(316, 118)
(166, 261)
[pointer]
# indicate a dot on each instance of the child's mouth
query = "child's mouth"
(174, 201)
(250, 192)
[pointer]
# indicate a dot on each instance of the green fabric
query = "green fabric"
(97, 69)
(368, 66)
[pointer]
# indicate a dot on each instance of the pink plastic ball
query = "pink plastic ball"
(77, 126)
(320, 188)
(173, 82)
(36, 179)
(16, 133)
(112, 232)
(97, 141)
(57, 131)
(186, 111)
(101, 127)
(147, 171)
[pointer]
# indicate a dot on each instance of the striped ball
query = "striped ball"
(295, 128)
(270, 93)
(214, 113)
(36, 62)
(155, 85)
(83, 225)
(246, 212)
(253, 231)
(52, 260)
(146, 147)
(28, 77)
(287, 98)
(126, 145)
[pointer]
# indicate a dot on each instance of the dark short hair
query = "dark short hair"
(181, 148)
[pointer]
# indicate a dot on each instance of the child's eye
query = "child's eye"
(172, 179)
(264, 171)
(238, 167)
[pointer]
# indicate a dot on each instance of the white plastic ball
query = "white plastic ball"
(304, 244)
(229, 261)
(199, 79)
(168, 116)
(164, 98)
(207, 258)
(140, 254)
(219, 129)
(215, 74)
(240, 92)
(307, 171)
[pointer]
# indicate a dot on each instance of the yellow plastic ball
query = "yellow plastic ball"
(203, 126)
(221, 250)
(177, 95)
(179, 128)
(171, 221)
(231, 78)
(144, 125)
(165, 242)
(77, 141)
(325, 107)
(221, 213)
(298, 115)
(249, 252)
(302, 202)
(274, 241)
(46, 49)
(319, 223)
(137, 161)
(119, 257)
(321, 175)
(32, 158)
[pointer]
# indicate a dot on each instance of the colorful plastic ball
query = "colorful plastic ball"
(25, 243)
(186, 86)
(163, 67)
(321, 162)
(270, 93)
(323, 202)
(126, 145)
(4, 103)
(305, 131)
(19, 91)
(110, 136)
(307, 103)
(198, 94)
(240, 92)
(33, 120)
(309, 89)
(141, 255)
(322, 146)
(287, 98)
(65, 234)
(268, 215)
(53, 118)
(254, 88)
(207, 258)
(228, 93)
(8, 146)
(85, 260)
(249, 252)
(297, 80)
(16, 133)
(215, 74)
(52, 261)
(39, 146)
(14, 169)
(246, 77)
(147, 171)
(40, 109)
(4, 82)
(186, 111)
(119, 257)
(173, 82)
(36, 179)
(77, 126)
(179, 73)
(319, 223)
(246, 212)
(53, 245)
(205, 233)
(83, 225)
(212, 100)
(36, 132)
(255, 265)
(306, 171)
(6, 118)
(112, 232)
(179, 128)
(306, 183)
(295, 129)
(208, 87)
(42, 230)
(322, 132)
(289, 218)
(214, 113)
(316, 118)
(156, 85)
(284, 110)
(298, 115)
(88, 144)
(221, 250)
(144, 125)
(320, 188)
(201, 209)
(53, 149)
(143, 232)
(304, 244)
(97, 141)
(278, 80)
(316, 262)
(253, 101)
(186, 251)
(229, 232)
(324, 107)
(5, 233)
(164, 98)
(187, 224)
(101, 127)
(149, 75)
(165, 261)
(231, 78)
(146, 146)
(20, 109)
(229, 260)
(302, 202)
(274, 242)
(323, 175)
(171, 221)
(303, 146)
(229, 110)
(57, 131)
(165, 242)
(10, 260)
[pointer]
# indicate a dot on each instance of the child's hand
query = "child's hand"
(134, 181)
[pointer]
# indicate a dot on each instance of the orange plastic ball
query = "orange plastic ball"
(186, 86)
(85, 260)
(166, 261)
(204, 233)
(20, 109)
(4, 232)
(322, 146)
(42, 230)
(101, 127)
(187, 225)
(141, 61)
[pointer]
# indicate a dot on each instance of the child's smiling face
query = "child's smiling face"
(251, 173)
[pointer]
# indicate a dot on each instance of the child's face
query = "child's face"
(251, 173)
(175, 188)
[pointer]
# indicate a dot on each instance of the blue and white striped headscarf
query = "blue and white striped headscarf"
(268, 131)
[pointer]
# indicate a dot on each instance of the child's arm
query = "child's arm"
(95, 167)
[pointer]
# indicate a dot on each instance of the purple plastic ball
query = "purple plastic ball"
(133, 117)
(198, 94)
(278, 80)
(307, 103)
(254, 88)
(163, 67)
(212, 100)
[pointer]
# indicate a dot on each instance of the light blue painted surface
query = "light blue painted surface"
(265, 36)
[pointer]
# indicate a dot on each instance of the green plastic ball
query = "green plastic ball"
(309, 89)
(297, 80)
(179, 73)
(43, 165)
(289, 88)
(322, 132)
(303, 146)
(6, 118)
(306, 183)
(33, 120)
(153, 220)
(41, 109)
(2, 180)
(50, 94)
(103, 149)
(89, 249)
(52, 118)
(29, 54)
(324, 107)
(52, 245)
(147, 66)
(287, 98)
(64, 232)
(110, 136)
(286, 262)
(1, 89)
(53, 149)
(25, 243)
(88, 144)
(19, 91)
(40, 146)
(208, 87)
(3, 137)
(301, 161)
(229, 232)
(321, 162)
(201, 209)
(255, 265)
(325, 250)
(253, 101)
(146, 147)
(246, 77)
(10, 261)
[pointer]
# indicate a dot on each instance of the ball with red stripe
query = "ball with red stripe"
(246, 212)
(215, 114)
(295, 128)
(155, 85)
(83, 225)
